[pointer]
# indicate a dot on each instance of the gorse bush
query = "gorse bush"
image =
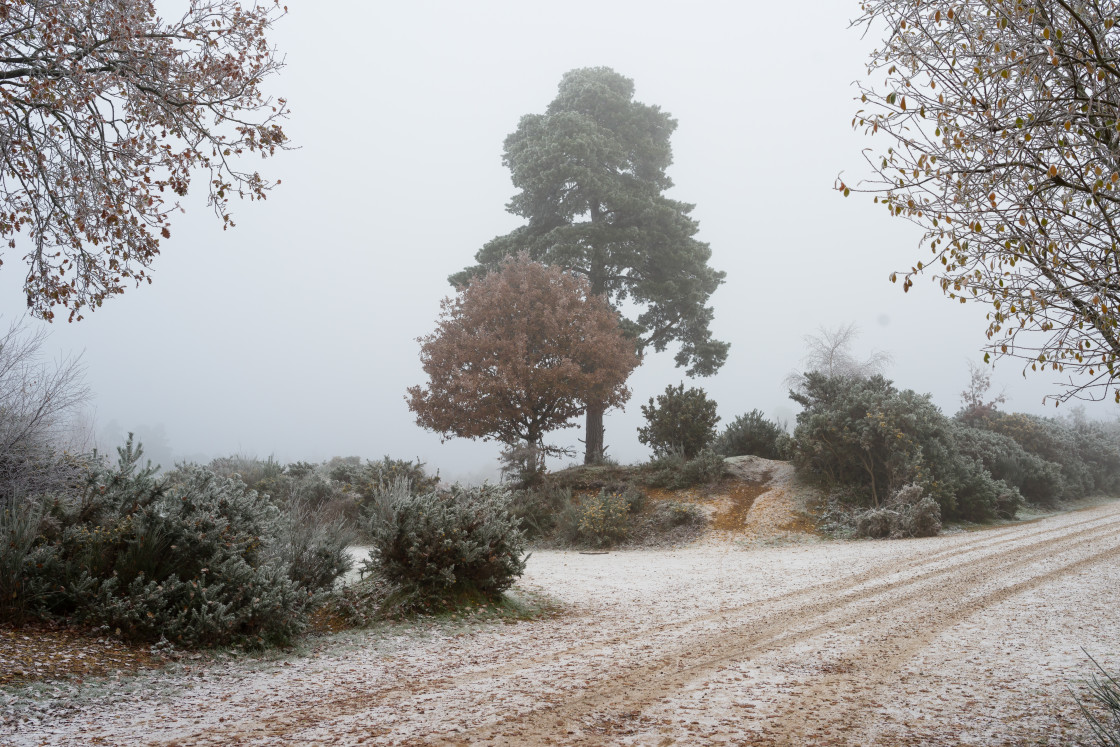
(907, 513)
(332, 495)
(192, 556)
(679, 420)
(440, 547)
(24, 588)
(599, 520)
(868, 439)
(752, 434)
(1077, 461)
(1039, 481)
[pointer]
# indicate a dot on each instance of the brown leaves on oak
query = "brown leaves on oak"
(519, 353)
(106, 110)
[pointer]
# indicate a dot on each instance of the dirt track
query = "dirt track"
(970, 638)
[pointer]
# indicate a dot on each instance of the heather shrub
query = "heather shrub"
(753, 434)
(440, 547)
(679, 420)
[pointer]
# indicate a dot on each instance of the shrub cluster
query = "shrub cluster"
(866, 439)
(611, 509)
(193, 556)
(332, 495)
(679, 421)
(753, 434)
(676, 472)
(1058, 462)
(442, 547)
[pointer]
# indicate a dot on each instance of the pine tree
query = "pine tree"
(591, 172)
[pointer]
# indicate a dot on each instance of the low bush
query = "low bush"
(538, 509)
(752, 434)
(192, 556)
(679, 420)
(865, 439)
(675, 472)
(24, 589)
(600, 520)
(440, 547)
(668, 521)
(908, 513)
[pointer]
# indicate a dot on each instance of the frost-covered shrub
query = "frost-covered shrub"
(193, 556)
(312, 542)
(675, 472)
(753, 434)
(23, 587)
(925, 519)
(679, 420)
(908, 513)
(1086, 454)
(255, 473)
(443, 546)
(867, 439)
(600, 520)
(1040, 482)
(539, 508)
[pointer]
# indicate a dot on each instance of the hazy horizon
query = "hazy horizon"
(294, 333)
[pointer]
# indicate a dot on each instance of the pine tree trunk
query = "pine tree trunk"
(593, 438)
(596, 277)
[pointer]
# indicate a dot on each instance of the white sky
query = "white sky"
(294, 333)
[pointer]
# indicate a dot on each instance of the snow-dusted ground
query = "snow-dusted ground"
(971, 638)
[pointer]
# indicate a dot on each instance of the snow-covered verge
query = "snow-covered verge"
(972, 638)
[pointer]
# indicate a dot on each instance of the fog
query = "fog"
(294, 333)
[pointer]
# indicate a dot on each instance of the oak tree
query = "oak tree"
(518, 353)
(999, 131)
(107, 111)
(591, 175)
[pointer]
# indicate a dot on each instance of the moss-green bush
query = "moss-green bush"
(752, 433)
(679, 421)
(443, 546)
